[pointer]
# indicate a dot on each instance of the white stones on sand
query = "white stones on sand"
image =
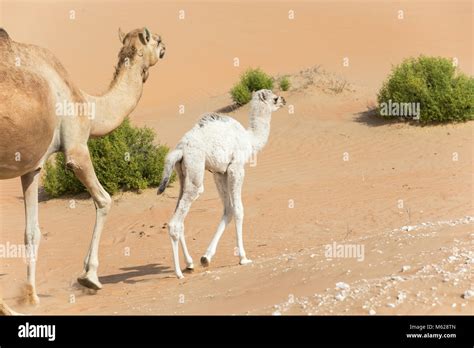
(468, 294)
(406, 268)
(408, 228)
(342, 286)
(401, 296)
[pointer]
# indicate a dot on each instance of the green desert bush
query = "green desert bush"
(443, 93)
(250, 81)
(125, 159)
(285, 83)
(241, 94)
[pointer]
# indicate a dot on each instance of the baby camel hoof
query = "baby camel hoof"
(245, 261)
(180, 276)
(89, 282)
(205, 262)
(190, 267)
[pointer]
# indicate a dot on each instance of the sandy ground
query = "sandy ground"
(400, 195)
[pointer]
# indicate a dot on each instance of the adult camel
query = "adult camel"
(43, 112)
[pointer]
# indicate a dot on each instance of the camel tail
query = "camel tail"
(171, 159)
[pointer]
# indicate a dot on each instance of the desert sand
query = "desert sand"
(400, 194)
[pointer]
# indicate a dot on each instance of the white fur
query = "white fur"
(221, 145)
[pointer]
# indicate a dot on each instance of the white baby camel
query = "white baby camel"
(221, 145)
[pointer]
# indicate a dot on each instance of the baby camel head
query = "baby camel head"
(140, 46)
(268, 100)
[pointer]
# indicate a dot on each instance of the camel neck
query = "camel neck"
(118, 102)
(259, 127)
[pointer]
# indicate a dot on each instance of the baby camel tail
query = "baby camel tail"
(221, 145)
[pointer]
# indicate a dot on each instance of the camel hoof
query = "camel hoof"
(245, 261)
(31, 298)
(205, 262)
(5, 310)
(89, 282)
(180, 276)
(190, 267)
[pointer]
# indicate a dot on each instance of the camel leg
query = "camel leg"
(180, 173)
(236, 174)
(176, 228)
(29, 183)
(182, 241)
(192, 187)
(222, 188)
(5, 310)
(187, 256)
(79, 160)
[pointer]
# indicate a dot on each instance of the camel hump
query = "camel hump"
(4, 35)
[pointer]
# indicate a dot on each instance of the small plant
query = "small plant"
(285, 83)
(432, 87)
(241, 94)
(125, 159)
(250, 81)
(338, 86)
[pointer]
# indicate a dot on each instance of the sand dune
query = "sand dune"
(335, 201)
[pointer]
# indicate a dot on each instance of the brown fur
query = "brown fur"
(127, 52)
(33, 83)
(27, 137)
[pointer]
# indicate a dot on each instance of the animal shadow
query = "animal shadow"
(134, 272)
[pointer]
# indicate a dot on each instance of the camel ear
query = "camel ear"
(145, 36)
(262, 96)
(121, 35)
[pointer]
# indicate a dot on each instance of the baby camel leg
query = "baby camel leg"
(191, 189)
(221, 184)
(176, 228)
(236, 174)
(187, 256)
(179, 172)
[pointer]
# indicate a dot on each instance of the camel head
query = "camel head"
(268, 99)
(142, 47)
